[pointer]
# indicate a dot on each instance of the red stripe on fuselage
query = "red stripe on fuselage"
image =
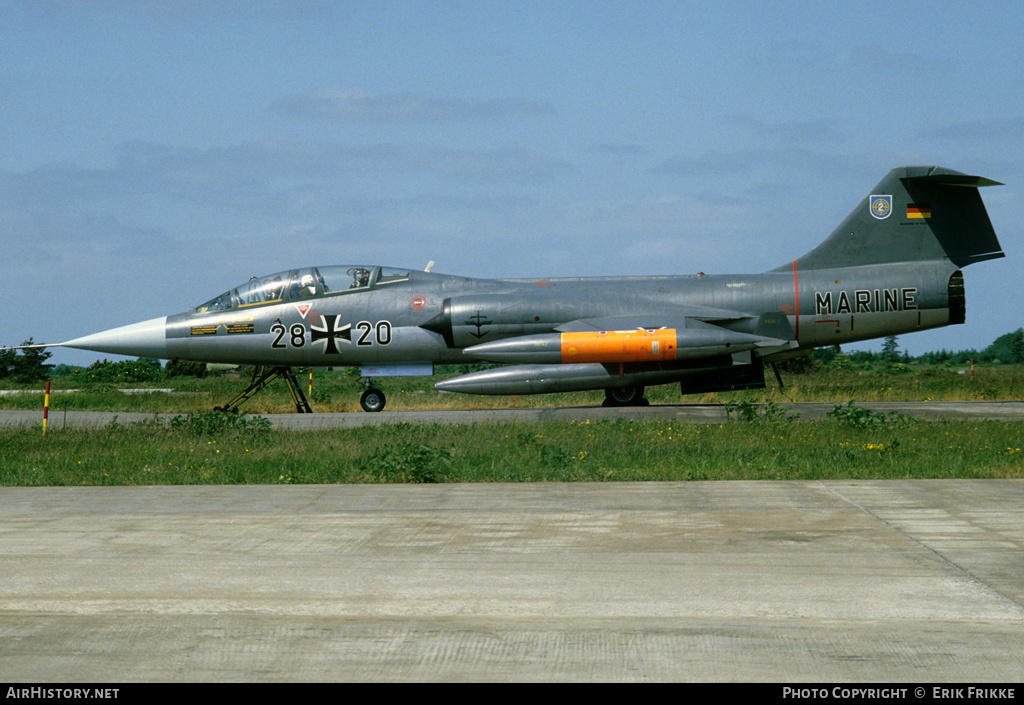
(796, 303)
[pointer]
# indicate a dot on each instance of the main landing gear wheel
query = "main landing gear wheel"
(372, 400)
(625, 396)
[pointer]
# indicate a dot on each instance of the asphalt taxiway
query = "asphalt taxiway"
(908, 581)
(684, 413)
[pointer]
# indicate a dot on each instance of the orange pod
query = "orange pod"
(640, 345)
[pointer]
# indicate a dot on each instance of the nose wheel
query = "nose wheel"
(372, 400)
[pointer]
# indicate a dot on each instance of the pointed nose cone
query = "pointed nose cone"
(144, 339)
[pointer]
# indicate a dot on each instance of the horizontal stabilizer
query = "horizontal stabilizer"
(953, 179)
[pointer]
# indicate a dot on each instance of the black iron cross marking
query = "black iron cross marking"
(329, 332)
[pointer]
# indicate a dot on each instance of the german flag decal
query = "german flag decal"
(919, 210)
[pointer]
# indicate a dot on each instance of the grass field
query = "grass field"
(207, 448)
(339, 391)
(147, 454)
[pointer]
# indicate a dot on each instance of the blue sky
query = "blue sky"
(157, 153)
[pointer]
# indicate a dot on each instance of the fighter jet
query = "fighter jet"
(891, 267)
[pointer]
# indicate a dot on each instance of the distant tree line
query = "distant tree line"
(1007, 349)
(25, 365)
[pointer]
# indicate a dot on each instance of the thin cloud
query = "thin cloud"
(1004, 129)
(798, 162)
(792, 54)
(611, 149)
(157, 195)
(250, 172)
(364, 106)
(887, 61)
(793, 132)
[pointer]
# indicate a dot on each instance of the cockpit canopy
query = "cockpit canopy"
(298, 284)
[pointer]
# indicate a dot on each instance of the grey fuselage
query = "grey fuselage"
(425, 317)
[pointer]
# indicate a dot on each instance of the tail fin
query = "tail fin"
(915, 213)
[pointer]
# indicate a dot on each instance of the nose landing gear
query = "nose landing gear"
(372, 400)
(261, 377)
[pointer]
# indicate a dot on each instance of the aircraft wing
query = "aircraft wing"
(654, 320)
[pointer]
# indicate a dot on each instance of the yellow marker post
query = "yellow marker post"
(46, 407)
(311, 381)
